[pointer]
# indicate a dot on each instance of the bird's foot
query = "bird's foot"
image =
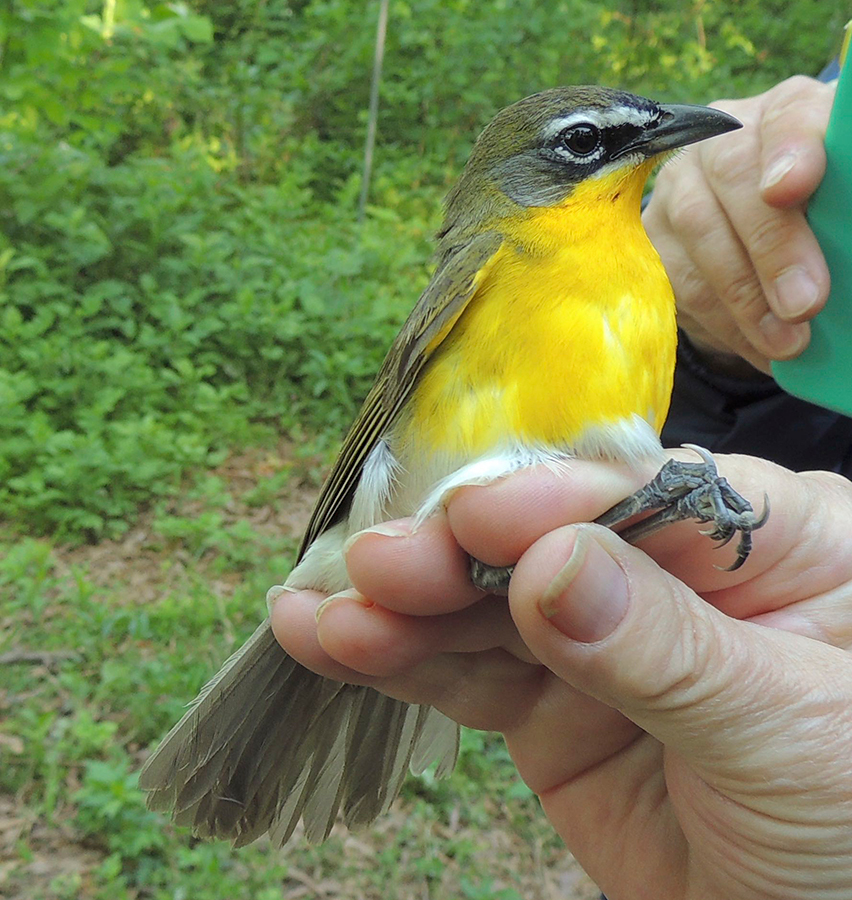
(682, 491)
(678, 492)
(491, 579)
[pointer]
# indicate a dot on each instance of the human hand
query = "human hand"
(728, 219)
(677, 749)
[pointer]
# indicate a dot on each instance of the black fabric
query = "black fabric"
(753, 416)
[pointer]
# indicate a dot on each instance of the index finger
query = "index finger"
(425, 571)
(801, 552)
(792, 137)
(786, 257)
(781, 246)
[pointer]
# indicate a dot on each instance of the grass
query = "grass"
(110, 640)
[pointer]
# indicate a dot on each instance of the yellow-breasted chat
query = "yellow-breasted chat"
(547, 332)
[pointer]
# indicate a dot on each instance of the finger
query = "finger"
(812, 582)
(787, 261)
(826, 617)
(740, 710)
(567, 733)
(490, 690)
(701, 313)
(372, 640)
(750, 236)
(801, 552)
(487, 689)
(422, 572)
(294, 624)
(496, 523)
(699, 221)
(792, 138)
(605, 618)
(378, 642)
(538, 500)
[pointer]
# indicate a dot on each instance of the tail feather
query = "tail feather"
(267, 742)
(325, 788)
(438, 740)
(198, 736)
(374, 770)
(295, 749)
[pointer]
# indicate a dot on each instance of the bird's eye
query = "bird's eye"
(581, 140)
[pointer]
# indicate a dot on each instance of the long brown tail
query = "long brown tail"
(268, 742)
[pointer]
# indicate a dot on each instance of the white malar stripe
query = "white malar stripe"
(620, 115)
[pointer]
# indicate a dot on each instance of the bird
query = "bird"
(547, 332)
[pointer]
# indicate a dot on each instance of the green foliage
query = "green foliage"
(180, 271)
(110, 808)
(449, 64)
(152, 316)
(71, 70)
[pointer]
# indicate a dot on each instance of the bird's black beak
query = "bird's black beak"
(680, 124)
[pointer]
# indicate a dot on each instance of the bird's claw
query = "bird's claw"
(683, 490)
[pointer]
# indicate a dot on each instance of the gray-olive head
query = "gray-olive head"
(535, 152)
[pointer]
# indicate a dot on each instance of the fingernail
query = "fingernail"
(588, 597)
(777, 169)
(783, 338)
(350, 594)
(795, 292)
(388, 529)
(274, 594)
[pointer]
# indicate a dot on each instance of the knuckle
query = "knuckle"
(694, 296)
(692, 214)
(743, 295)
(693, 674)
(732, 160)
(746, 109)
(834, 488)
(794, 87)
(788, 100)
(767, 237)
(728, 105)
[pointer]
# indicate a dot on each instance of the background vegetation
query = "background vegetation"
(189, 316)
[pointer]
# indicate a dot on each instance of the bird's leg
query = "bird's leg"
(678, 492)
(682, 491)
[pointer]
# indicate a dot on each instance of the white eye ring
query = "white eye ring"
(582, 140)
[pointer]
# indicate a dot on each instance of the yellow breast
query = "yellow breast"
(572, 328)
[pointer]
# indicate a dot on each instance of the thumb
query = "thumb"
(605, 618)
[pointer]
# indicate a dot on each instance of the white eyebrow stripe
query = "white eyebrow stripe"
(554, 126)
(620, 115)
(602, 118)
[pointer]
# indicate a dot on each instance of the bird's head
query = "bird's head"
(537, 152)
